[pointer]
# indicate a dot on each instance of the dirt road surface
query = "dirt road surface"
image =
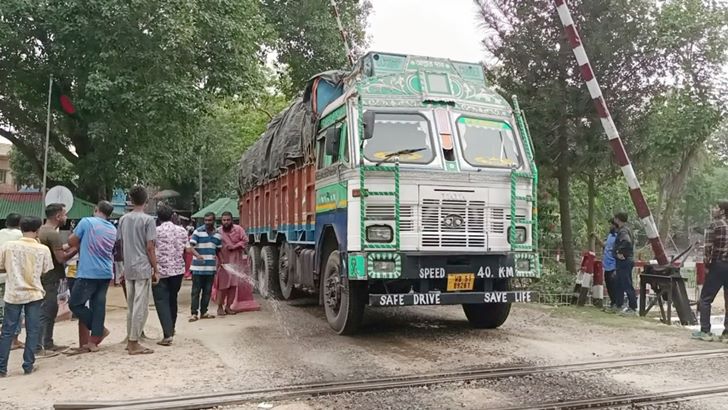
(288, 343)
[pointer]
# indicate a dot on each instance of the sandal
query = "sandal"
(194, 318)
(144, 350)
(207, 316)
(77, 351)
(221, 312)
(165, 342)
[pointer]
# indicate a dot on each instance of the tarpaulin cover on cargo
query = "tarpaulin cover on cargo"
(291, 136)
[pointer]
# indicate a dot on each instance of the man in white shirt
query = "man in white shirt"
(24, 260)
(11, 232)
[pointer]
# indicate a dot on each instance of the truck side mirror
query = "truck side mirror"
(332, 141)
(368, 125)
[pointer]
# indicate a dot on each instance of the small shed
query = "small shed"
(31, 204)
(218, 207)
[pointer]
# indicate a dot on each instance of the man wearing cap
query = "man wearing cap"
(716, 264)
(624, 255)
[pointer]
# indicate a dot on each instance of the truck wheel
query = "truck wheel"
(268, 278)
(343, 299)
(489, 315)
(286, 270)
(255, 266)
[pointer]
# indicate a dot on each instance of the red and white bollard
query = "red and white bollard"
(584, 277)
(597, 295)
(700, 273)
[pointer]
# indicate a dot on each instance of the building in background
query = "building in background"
(7, 183)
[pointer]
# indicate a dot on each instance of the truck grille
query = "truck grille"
(385, 213)
(459, 223)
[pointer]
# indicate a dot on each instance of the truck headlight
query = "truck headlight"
(521, 234)
(379, 233)
(523, 265)
(384, 266)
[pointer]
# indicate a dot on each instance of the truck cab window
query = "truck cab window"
(398, 131)
(487, 143)
(344, 144)
(325, 159)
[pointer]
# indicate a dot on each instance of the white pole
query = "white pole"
(200, 170)
(47, 137)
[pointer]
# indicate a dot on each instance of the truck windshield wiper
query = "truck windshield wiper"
(398, 153)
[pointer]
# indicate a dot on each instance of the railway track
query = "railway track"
(317, 389)
(632, 400)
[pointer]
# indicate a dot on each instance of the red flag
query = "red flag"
(62, 101)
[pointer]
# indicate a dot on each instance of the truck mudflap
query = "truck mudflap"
(453, 298)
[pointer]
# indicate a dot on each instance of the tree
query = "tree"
(694, 37)
(307, 39)
(534, 61)
(228, 130)
(60, 171)
(142, 74)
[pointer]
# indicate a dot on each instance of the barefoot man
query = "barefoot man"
(94, 237)
(234, 241)
(138, 232)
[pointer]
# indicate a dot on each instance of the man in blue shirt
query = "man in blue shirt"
(204, 244)
(95, 238)
(609, 263)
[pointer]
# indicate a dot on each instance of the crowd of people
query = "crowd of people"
(618, 262)
(146, 256)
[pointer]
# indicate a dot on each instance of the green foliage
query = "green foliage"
(59, 170)
(307, 39)
(535, 62)
(230, 129)
(141, 73)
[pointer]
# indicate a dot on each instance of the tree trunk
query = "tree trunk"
(590, 211)
(660, 199)
(567, 235)
(674, 187)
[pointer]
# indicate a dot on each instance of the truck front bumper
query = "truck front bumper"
(449, 298)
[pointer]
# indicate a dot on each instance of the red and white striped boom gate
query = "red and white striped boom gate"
(680, 298)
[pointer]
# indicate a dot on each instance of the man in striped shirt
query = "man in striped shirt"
(204, 245)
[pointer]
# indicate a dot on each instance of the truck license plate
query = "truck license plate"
(460, 281)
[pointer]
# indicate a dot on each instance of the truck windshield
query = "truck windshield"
(488, 143)
(396, 132)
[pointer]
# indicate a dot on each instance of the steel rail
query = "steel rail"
(651, 398)
(385, 383)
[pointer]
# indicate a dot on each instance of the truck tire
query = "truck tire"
(489, 315)
(255, 266)
(268, 286)
(343, 299)
(286, 270)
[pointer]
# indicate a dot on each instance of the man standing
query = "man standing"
(49, 236)
(205, 243)
(716, 264)
(137, 232)
(609, 263)
(24, 260)
(234, 241)
(95, 238)
(11, 232)
(624, 253)
(171, 243)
